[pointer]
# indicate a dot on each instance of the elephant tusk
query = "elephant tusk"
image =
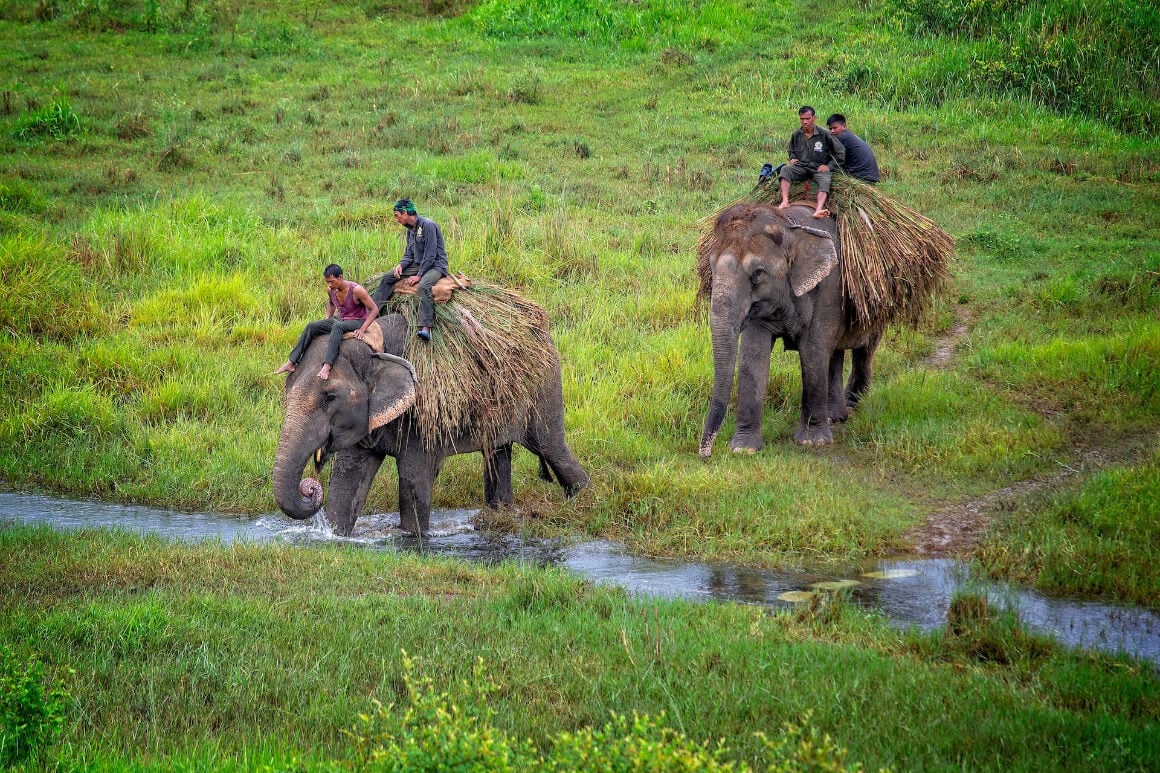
(318, 457)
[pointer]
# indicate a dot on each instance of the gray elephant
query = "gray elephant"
(773, 276)
(359, 415)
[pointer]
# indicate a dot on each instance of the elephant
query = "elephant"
(774, 277)
(360, 416)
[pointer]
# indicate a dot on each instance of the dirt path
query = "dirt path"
(946, 346)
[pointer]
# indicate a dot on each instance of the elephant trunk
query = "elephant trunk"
(298, 498)
(725, 317)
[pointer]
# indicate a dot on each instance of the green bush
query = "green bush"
(30, 715)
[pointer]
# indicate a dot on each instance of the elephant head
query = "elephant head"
(363, 393)
(765, 268)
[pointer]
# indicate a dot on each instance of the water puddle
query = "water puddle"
(909, 592)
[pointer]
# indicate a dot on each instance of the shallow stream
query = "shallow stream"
(909, 591)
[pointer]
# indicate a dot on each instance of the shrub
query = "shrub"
(30, 715)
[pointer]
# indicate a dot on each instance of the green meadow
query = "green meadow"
(174, 176)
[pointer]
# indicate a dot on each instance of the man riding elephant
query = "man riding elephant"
(812, 151)
(424, 263)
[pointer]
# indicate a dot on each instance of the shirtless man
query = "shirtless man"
(348, 308)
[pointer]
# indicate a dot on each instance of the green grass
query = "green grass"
(241, 656)
(1096, 539)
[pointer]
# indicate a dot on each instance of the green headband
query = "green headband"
(405, 205)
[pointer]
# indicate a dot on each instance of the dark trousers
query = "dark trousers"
(426, 298)
(336, 327)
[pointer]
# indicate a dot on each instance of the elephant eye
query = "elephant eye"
(758, 275)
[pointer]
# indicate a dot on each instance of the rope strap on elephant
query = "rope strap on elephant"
(484, 364)
(894, 260)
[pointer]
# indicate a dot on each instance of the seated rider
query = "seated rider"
(424, 263)
(860, 161)
(349, 308)
(812, 151)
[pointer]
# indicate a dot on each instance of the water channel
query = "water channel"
(911, 592)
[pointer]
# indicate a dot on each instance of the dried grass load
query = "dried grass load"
(486, 360)
(894, 260)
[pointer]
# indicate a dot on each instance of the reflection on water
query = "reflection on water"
(909, 592)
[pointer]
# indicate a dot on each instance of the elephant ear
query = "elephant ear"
(393, 387)
(815, 257)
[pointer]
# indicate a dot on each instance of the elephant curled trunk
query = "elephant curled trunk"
(297, 497)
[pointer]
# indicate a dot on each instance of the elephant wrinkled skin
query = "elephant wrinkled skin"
(774, 276)
(359, 416)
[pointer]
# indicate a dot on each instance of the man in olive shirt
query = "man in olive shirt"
(812, 151)
(424, 263)
(860, 161)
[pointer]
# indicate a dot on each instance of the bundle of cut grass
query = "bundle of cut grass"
(486, 360)
(894, 260)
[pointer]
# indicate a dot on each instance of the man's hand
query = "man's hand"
(360, 332)
(793, 161)
(823, 168)
(398, 272)
(413, 280)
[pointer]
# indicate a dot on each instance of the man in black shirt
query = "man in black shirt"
(860, 161)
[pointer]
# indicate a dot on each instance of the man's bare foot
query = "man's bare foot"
(783, 205)
(821, 213)
(287, 368)
(325, 372)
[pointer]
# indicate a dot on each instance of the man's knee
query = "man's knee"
(795, 173)
(823, 180)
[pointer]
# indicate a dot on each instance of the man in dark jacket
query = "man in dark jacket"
(424, 263)
(812, 152)
(860, 161)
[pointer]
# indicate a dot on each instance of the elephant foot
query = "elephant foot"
(746, 444)
(840, 415)
(814, 435)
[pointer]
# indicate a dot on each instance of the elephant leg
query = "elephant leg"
(814, 429)
(752, 381)
(416, 479)
(497, 477)
(350, 481)
(861, 369)
(837, 396)
(545, 473)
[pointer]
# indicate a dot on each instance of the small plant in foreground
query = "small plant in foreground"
(30, 716)
(436, 734)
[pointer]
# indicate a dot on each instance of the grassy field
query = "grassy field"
(174, 177)
(210, 657)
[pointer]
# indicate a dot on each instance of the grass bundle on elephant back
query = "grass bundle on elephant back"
(488, 352)
(894, 260)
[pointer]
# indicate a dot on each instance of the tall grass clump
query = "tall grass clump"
(56, 121)
(43, 292)
(1098, 58)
